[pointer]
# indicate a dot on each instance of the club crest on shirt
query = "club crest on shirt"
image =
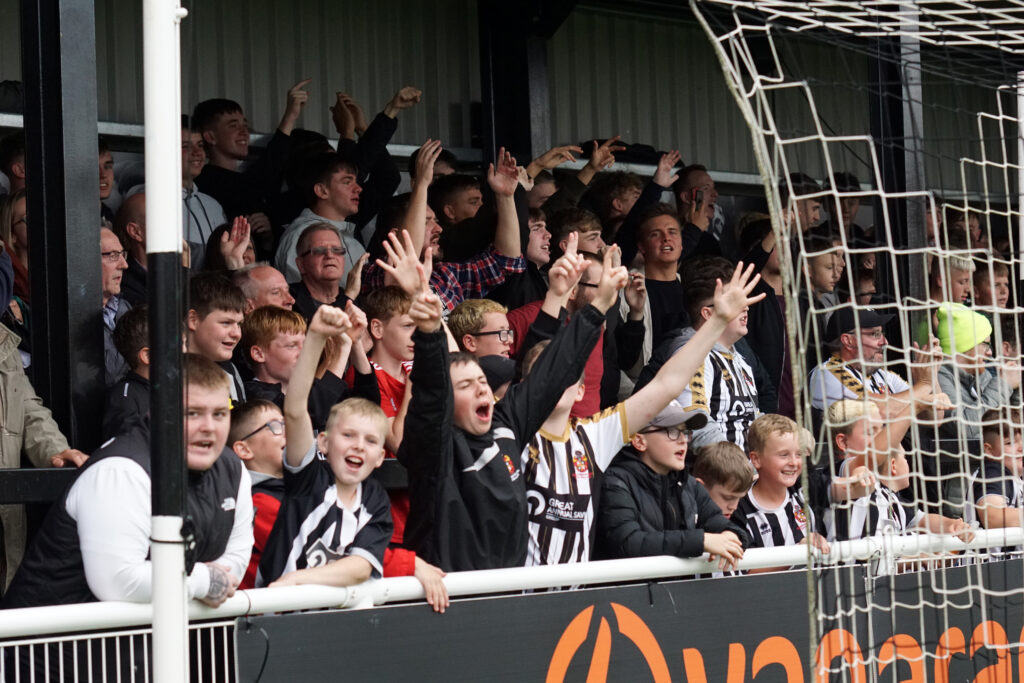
(801, 518)
(579, 461)
(512, 470)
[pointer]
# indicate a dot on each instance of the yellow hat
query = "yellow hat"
(960, 328)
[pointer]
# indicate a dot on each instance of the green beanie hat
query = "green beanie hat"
(960, 328)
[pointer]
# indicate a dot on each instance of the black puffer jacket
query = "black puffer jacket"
(644, 513)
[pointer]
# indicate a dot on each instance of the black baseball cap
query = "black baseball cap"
(847, 318)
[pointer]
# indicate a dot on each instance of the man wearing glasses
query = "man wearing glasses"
(321, 264)
(113, 261)
(857, 369)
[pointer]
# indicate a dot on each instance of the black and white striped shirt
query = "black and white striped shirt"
(768, 527)
(563, 475)
(724, 388)
(313, 527)
(879, 512)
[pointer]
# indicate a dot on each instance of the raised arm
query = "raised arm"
(327, 322)
(730, 301)
(415, 221)
(297, 98)
(528, 404)
(503, 178)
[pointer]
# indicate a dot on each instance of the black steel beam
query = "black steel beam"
(59, 70)
(514, 74)
(897, 128)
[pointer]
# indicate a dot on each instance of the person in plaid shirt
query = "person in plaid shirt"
(472, 279)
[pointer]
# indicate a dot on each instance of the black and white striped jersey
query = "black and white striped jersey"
(313, 527)
(835, 380)
(563, 477)
(724, 388)
(768, 527)
(879, 512)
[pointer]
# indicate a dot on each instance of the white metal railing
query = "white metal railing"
(114, 615)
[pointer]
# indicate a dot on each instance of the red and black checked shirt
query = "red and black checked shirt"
(453, 282)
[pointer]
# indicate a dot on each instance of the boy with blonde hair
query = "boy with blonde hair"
(774, 510)
(334, 523)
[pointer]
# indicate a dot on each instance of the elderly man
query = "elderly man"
(856, 368)
(321, 262)
(113, 261)
(263, 285)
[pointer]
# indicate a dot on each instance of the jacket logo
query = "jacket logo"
(228, 503)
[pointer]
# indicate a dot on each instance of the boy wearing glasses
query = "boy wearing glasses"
(565, 461)
(257, 438)
(652, 506)
(480, 327)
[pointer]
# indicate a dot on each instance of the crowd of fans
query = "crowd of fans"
(566, 366)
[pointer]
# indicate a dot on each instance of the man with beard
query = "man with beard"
(856, 367)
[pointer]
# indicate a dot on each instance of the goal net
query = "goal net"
(888, 136)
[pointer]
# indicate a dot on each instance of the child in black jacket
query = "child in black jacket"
(651, 506)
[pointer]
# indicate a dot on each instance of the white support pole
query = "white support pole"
(170, 602)
(1020, 170)
(162, 88)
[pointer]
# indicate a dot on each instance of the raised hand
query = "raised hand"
(636, 294)
(405, 98)
(503, 176)
(734, 298)
(664, 175)
(341, 115)
(426, 306)
(357, 321)
(329, 321)
(614, 277)
(402, 264)
(297, 98)
(524, 178)
(553, 158)
(602, 156)
(234, 242)
(567, 270)
(926, 362)
(354, 280)
(425, 161)
(356, 111)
